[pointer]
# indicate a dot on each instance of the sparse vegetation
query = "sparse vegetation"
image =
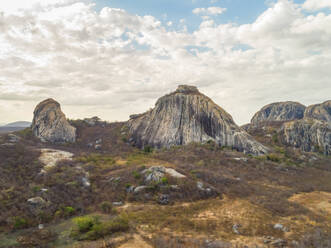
(92, 228)
(148, 149)
(262, 186)
(20, 223)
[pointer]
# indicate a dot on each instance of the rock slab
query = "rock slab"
(50, 124)
(187, 116)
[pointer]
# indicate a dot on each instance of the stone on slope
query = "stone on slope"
(308, 134)
(50, 124)
(50, 157)
(320, 112)
(279, 111)
(186, 116)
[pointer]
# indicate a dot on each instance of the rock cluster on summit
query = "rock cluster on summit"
(279, 111)
(306, 128)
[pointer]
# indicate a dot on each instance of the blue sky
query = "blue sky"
(238, 11)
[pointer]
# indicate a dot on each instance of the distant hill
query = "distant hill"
(18, 124)
(14, 126)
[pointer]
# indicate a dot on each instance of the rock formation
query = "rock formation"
(309, 135)
(50, 124)
(279, 111)
(319, 111)
(186, 116)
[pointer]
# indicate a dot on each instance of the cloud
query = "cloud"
(209, 11)
(316, 4)
(112, 63)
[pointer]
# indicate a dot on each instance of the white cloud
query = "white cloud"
(316, 4)
(209, 11)
(112, 63)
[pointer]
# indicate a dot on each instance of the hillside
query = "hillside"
(100, 191)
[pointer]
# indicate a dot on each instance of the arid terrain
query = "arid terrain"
(226, 199)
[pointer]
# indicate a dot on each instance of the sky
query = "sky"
(114, 58)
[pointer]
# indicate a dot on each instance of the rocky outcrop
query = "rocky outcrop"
(320, 112)
(279, 111)
(186, 116)
(50, 124)
(308, 134)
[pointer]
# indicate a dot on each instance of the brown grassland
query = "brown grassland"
(253, 193)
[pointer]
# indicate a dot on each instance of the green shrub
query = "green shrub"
(26, 133)
(106, 207)
(148, 149)
(275, 138)
(20, 223)
(68, 211)
(273, 157)
(136, 175)
(164, 180)
(90, 228)
(97, 159)
(36, 189)
(85, 223)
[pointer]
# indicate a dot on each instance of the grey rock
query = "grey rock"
(7, 144)
(117, 204)
(309, 135)
(241, 159)
(174, 187)
(41, 226)
(164, 200)
(187, 116)
(130, 189)
(278, 243)
(50, 124)
(90, 145)
(37, 201)
(279, 111)
(217, 244)
(97, 147)
(320, 112)
(154, 174)
(200, 186)
(86, 182)
(140, 189)
(235, 228)
(280, 227)
(114, 179)
(98, 141)
(12, 138)
(174, 173)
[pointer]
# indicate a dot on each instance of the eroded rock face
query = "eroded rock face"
(320, 112)
(50, 124)
(186, 116)
(279, 111)
(308, 134)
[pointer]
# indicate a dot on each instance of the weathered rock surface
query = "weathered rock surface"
(154, 174)
(279, 111)
(186, 116)
(50, 124)
(320, 112)
(308, 134)
(50, 157)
